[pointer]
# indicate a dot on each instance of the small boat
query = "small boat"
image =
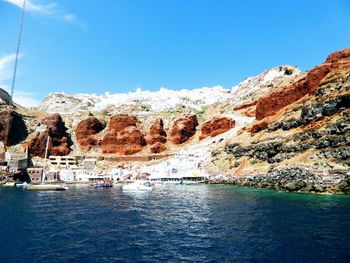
(105, 183)
(139, 185)
(46, 187)
(10, 184)
(23, 185)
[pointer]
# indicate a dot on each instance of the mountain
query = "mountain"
(282, 129)
(299, 139)
(139, 101)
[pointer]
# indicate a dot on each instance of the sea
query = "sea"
(176, 223)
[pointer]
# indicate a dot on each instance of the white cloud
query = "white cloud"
(34, 6)
(26, 99)
(47, 8)
(23, 98)
(5, 66)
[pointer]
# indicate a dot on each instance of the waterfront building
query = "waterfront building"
(63, 161)
(16, 161)
(89, 164)
(117, 174)
(35, 174)
(52, 176)
(68, 175)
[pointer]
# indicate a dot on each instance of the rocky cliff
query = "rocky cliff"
(123, 136)
(13, 129)
(86, 132)
(216, 126)
(304, 125)
(183, 129)
(297, 138)
(59, 141)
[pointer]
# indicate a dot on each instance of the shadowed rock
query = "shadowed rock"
(86, 131)
(183, 129)
(59, 143)
(12, 126)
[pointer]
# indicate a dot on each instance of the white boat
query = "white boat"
(24, 185)
(139, 185)
(10, 184)
(46, 187)
(190, 176)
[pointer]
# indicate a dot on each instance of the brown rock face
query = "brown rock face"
(119, 122)
(158, 148)
(156, 133)
(258, 126)
(183, 129)
(276, 100)
(59, 143)
(123, 136)
(12, 123)
(86, 131)
(216, 126)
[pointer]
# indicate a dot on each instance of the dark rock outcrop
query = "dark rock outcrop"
(12, 127)
(5, 98)
(86, 131)
(216, 126)
(183, 129)
(59, 143)
(333, 139)
(299, 179)
(158, 148)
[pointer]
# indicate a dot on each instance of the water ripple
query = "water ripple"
(173, 224)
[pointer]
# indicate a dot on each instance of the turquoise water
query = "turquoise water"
(181, 223)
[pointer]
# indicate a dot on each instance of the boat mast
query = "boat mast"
(46, 152)
(17, 50)
(8, 123)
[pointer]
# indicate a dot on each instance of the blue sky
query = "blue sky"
(86, 46)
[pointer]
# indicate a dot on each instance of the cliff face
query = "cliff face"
(13, 130)
(86, 133)
(156, 133)
(123, 136)
(245, 95)
(300, 140)
(59, 143)
(183, 129)
(216, 126)
(5, 98)
(336, 65)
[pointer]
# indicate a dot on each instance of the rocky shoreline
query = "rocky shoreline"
(295, 179)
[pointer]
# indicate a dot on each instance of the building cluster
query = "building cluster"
(71, 169)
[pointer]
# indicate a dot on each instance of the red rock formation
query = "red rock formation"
(216, 126)
(123, 136)
(59, 143)
(86, 131)
(119, 122)
(156, 133)
(12, 125)
(158, 148)
(244, 106)
(183, 129)
(258, 126)
(247, 109)
(279, 98)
